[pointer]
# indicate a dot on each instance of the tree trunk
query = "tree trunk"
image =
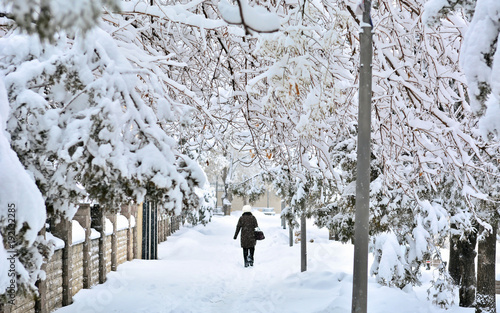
(485, 298)
(303, 243)
(454, 263)
(462, 266)
(333, 235)
(228, 204)
(467, 255)
(283, 218)
(227, 197)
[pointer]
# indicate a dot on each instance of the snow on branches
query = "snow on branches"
(80, 126)
(22, 216)
(88, 119)
(255, 19)
(302, 94)
(84, 120)
(479, 54)
(47, 18)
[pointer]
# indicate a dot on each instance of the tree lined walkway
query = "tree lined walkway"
(200, 270)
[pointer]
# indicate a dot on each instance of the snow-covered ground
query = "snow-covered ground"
(200, 269)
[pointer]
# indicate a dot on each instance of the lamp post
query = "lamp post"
(361, 224)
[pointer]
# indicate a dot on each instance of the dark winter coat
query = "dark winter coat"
(246, 224)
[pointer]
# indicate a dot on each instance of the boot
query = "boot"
(250, 261)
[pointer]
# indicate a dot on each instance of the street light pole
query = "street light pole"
(361, 224)
(303, 241)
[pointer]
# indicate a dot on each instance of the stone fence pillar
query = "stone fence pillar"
(114, 246)
(83, 217)
(41, 299)
(63, 230)
(5, 308)
(98, 223)
(135, 241)
(127, 212)
(161, 228)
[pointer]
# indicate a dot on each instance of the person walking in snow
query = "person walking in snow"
(247, 224)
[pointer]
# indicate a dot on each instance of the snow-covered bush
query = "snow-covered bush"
(442, 290)
(22, 217)
(198, 200)
(389, 266)
(86, 121)
(251, 188)
(203, 212)
(77, 118)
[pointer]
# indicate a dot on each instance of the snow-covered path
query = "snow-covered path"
(200, 269)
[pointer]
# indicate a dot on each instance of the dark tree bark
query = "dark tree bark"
(454, 264)
(462, 266)
(227, 196)
(485, 298)
(303, 243)
(467, 255)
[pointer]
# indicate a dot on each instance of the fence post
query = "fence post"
(135, 241)
(126, 211)
(154, 233)
(163, 236)
(114, 243)
(41, 299)
(149, 231)
(98, 223)
(146, 239)
(83, 217)
(63, 230)
(138, 212)
(5, 308)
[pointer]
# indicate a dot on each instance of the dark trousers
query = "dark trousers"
(248, 254)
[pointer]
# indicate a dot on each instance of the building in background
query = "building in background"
(268, 200)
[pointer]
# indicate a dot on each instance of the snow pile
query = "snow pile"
(77, 233)
(94, 234)
(256, 18)
(57, 242)
(108, 227)
(121, 222)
